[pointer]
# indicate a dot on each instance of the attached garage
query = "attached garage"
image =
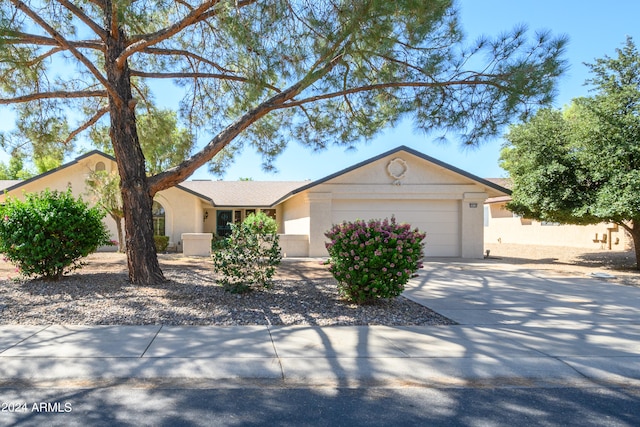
(440, 219)
(437, 198)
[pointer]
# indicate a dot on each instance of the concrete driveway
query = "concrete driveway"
(588, 324)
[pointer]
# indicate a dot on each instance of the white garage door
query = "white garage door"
(440, 219)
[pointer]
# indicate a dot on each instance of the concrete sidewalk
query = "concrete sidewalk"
(515, 328)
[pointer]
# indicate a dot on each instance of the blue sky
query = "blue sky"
(595, 28)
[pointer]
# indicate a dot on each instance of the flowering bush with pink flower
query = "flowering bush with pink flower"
(373, 259)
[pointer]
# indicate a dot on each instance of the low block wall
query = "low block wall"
(294, 245)
(196, 244)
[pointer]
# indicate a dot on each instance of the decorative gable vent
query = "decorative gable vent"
(397, 169)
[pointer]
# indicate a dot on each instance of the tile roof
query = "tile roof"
(502, 182)
(243, 193)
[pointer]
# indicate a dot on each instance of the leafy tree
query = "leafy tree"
(261, 223)
(104, 187)
(15, 169)
(260, 73)
(38, 138)
(582, 165)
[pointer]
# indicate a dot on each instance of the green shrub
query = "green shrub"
(162, 242)
(47, 233)
(261, 223)
(247, 259)
(219, 243)
(374, 259)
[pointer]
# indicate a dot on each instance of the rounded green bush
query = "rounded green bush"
(373, 259)
(260, 223)
(47, 233)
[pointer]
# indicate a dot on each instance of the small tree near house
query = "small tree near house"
(249, 257)
(104, 187)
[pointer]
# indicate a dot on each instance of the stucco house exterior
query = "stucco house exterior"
(439, 199)
(503, 226)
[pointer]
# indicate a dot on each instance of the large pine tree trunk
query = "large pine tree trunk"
(137, 200)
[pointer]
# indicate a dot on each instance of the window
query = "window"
(271, 213)
(223, 221)
(158, 219)
(100, 166)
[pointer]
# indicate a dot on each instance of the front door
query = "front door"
(223, 223)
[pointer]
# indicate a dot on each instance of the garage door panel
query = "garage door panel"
(439, 219)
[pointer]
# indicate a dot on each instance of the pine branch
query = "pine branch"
(18, 38)
(201, 13)
(368, 88)
(87, 124)
(179, 173)
(186, 54)
(141, 42)
(196, 75)
(53, 95)
(79, 13)
(65, 44)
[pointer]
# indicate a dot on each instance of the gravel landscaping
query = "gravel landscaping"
(304, 293)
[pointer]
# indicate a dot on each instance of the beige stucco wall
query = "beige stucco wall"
(503, 227)
(294, 245)
(295, 215)
(184, 213)
(73, 176)
(427, 196)
(472, 217)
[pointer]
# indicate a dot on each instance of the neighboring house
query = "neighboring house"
(503, 226)
(439, 199)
